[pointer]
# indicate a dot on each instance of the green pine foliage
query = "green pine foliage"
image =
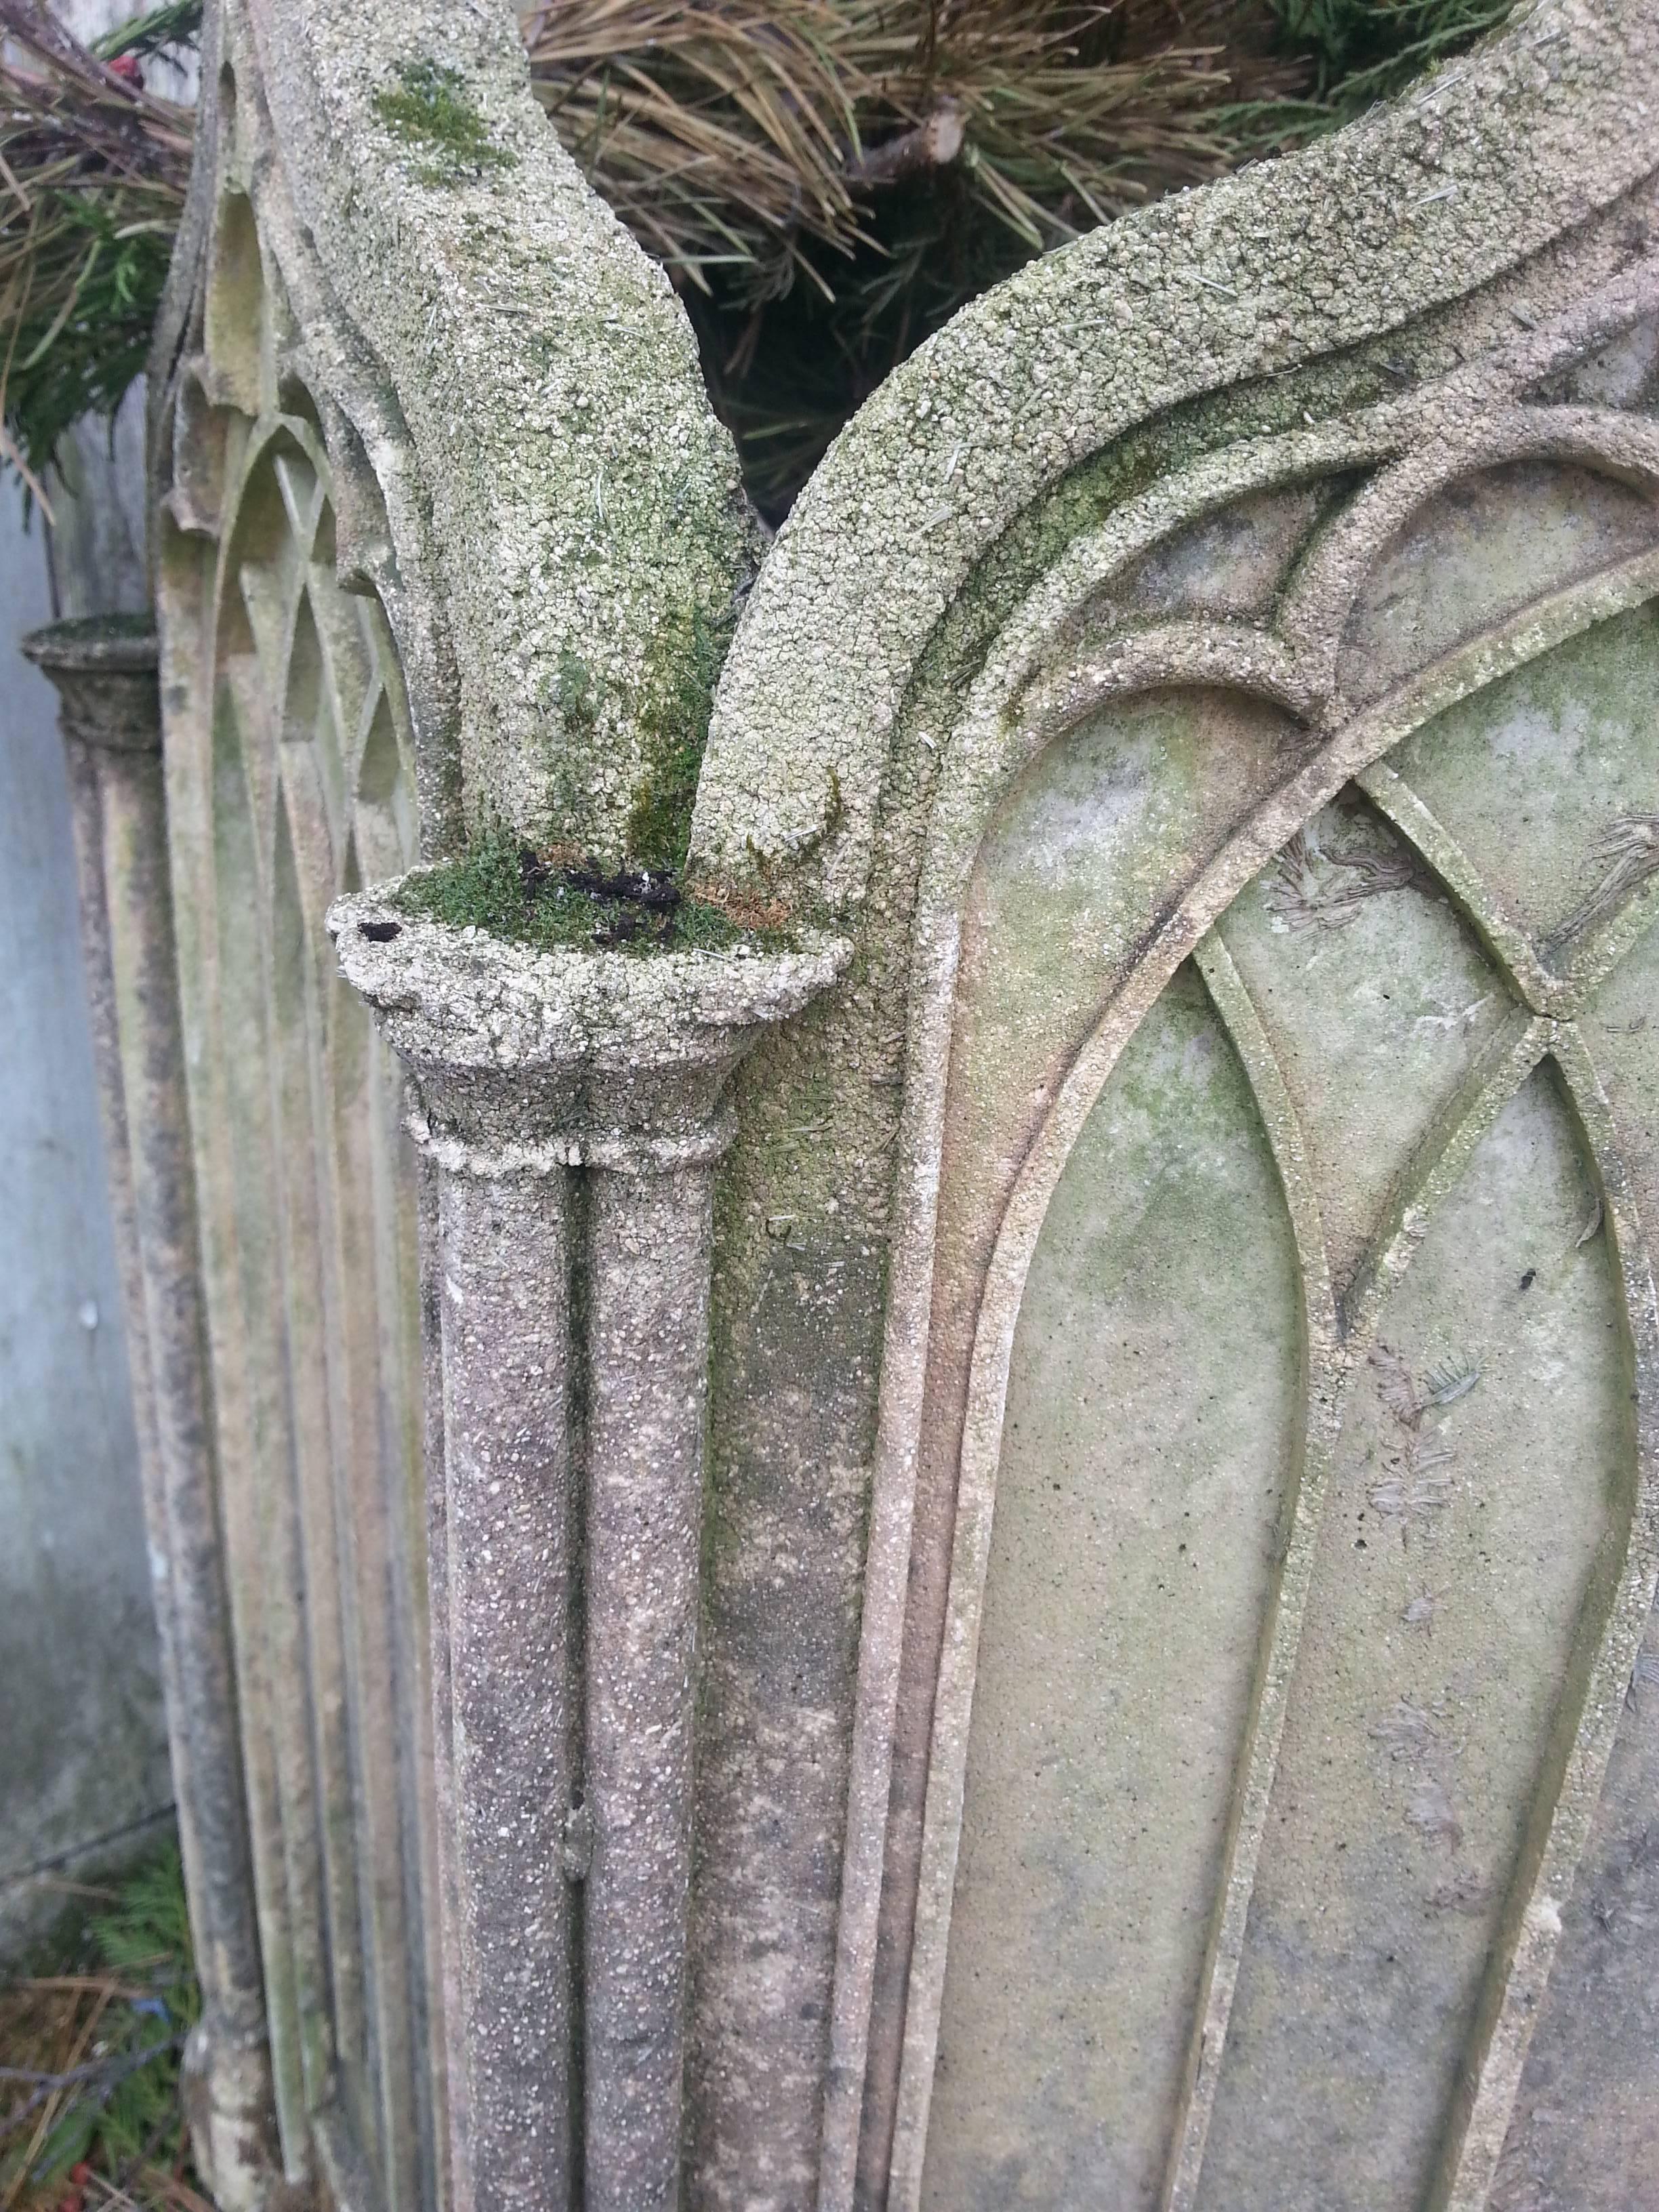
(1364, 51)
(97, 2049)
(93, 169)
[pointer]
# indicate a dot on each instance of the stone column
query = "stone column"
(650, 1239)
(571, 1101)
(105, 670)
(504, 1327)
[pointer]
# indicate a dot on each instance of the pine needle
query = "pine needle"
(89, 2063)
(825, 181)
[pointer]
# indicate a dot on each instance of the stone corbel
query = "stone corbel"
(571, 1101)
(105, 672)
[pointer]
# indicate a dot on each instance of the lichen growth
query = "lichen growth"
(577, 705)
(430, 108)
(545, 898)
(677, 702)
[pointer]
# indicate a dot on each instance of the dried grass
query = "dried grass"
(92, 170)
(89, 2114)
(825, 180)
(741, 136)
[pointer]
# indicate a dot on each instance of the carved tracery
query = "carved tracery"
(1256, 785)
(291, 779)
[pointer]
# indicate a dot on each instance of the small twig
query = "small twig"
(46, 2100)
(107, 2072)
(933, 143)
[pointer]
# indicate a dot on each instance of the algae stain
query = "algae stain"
(430, 108)
(574, 690)
(676, 703)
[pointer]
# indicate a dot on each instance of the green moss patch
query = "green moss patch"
(508, 887)
(677, 703)
(430, 108)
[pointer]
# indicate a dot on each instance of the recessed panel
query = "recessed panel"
(1094, 842)
(1585, 2133)
(1376, 999)
(1153, 1413)
(1476, 552)
(1482, 1485)
(1229, 563)
(1549, 780)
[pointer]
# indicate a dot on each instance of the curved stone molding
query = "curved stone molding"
(1440, 198)
(549, 388)
(572, 1760)
(990, 748)
(1269, 480)
(508, 367)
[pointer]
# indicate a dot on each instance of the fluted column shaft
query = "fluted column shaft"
(504, 1303)
(110, 715)
(571, 1104)
(649, 1253)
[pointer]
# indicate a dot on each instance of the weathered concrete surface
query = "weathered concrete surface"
(298, 773)
(1103, 479)
(647, 1379)
(105, 670)
(1168, 571)
(548, 383)
(1092, 1775)
(1289, 442)
(514, 1693)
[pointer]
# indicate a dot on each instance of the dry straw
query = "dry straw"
(825, 180)
(92, 170)
(744, 135)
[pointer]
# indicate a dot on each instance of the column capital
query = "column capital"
(529, 1059)
(104, 668)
